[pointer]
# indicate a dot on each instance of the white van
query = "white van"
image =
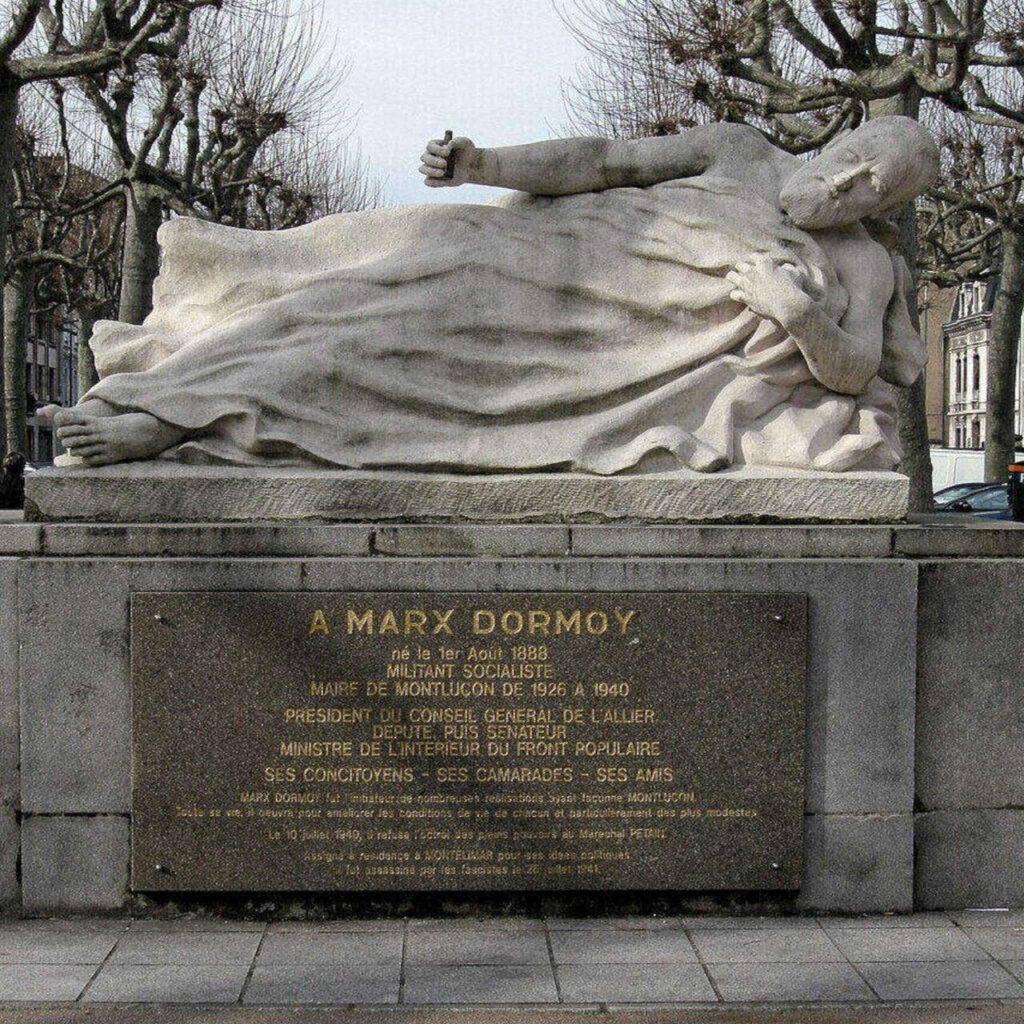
(958, 466)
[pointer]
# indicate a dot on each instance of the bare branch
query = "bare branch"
(22, 22)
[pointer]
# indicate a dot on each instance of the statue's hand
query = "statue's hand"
(435, 162)
(771, 288)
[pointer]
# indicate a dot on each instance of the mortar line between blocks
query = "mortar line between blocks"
(252, 966)
(704, 967)
(106, 960)
(401, 969)
(551, 960)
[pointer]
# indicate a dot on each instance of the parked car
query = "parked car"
(956, 491)
(991, 502)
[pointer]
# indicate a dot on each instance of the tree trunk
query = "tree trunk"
(910, 401)
(18, 293)
(1004, 340)
(8, 120)
(141, 259)
(87, 375)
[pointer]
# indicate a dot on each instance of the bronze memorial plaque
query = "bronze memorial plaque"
(467, 741)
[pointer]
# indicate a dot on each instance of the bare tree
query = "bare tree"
(299, 177)
(48, 40)
(192, 134)
(802, 71)
(55, 196)
(976, 230)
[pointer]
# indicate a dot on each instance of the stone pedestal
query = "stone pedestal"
(912, 704)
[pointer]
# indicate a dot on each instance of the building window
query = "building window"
(975, 434)
(45, 445)
(976, 368)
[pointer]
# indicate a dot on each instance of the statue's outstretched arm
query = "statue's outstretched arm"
(567, 166)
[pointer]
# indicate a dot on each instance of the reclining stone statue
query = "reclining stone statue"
(702, 300)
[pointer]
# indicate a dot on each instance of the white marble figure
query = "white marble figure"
(702, 300)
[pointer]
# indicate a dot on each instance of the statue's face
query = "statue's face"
(840, 186)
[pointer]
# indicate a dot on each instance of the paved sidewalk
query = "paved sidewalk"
(600, 965)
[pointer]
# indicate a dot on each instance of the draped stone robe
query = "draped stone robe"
(591, 332)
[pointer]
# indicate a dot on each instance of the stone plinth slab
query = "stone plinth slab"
(166, 492)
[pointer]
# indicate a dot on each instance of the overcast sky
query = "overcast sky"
(488, 69)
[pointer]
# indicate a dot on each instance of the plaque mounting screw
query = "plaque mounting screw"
(158, 617)
(776, 866)
(161, 869)
(776, 618)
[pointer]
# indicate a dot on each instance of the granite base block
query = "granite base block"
(10, 788)
(969, 858)
(74, 865)
(10, 851)
(971, 658)
(858, 864)
(75, 672)
(157, 491)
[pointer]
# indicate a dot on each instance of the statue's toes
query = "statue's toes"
(74, 436)
(69, 417)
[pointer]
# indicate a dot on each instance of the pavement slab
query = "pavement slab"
(1002, 943)
(1015, 967)
(907, 944)
(314, 948)
(49, 946)
(794, 983)
(927, 919)
(987, 918)
(704, 921)
(618, 947)
(476, 924)
(469, 946)
(185, 948)
(635, 983)
(43, 982)
(324, 984)
(197, 924)
(766, 945)
(967, 979)
(473, 985)
(164, 983)
(340, 925)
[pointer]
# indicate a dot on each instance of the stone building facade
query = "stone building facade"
(966, 348)
(51, 375)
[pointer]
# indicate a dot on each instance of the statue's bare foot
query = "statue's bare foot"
(101, 440)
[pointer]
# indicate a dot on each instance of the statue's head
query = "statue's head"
(864, 173)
